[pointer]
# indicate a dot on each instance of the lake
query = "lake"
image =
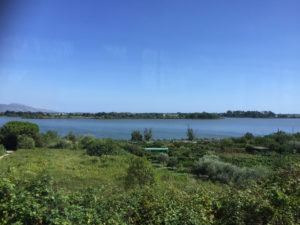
(163, 128)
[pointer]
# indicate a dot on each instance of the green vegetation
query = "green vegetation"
(2, 150)
(190, 134)
(99, 147)
(250, 114)
(15, 131)
(163, 157)
(25, 142)
(140, 173)
(111, 115)
(147, 134)
(88, 180)
(225, 172)
(127, 115)
(136, 136)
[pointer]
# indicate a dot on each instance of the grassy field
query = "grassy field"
(71, 169)
(74, 170)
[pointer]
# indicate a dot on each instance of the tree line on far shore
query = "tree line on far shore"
(127, 115)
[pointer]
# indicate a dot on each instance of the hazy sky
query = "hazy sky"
(151, 56)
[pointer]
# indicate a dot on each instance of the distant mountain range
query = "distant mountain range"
(21, 108)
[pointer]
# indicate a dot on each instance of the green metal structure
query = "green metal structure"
(156, 149)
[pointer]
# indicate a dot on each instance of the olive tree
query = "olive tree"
(163, 157)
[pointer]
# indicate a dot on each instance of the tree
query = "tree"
(139, 173)
(11, 130)
(136, 136)
(190, 134)
(249, 136)
(147, 134)
(163, 157)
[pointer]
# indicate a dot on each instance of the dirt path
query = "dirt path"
(7, 153)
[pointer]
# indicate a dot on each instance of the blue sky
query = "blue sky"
(151, 56)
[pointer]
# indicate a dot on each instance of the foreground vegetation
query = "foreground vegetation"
(86, 180)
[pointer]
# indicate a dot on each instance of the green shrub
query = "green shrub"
(190, 134)
(63, 143)
(52, 134)
(172, 162)
(249, 136)
(147, 134)
(46, 139)
(225, 172)
(135, 150)
(100, 147)
(25, 142)
(226, 142)
(139, 173)
(281, 137)
(12, 129)
(41, 141)
(136, 136)
(236, 208)
(157, 144)
(295, 145)
(2, 150)
(163, 157)
(71, 136)
(86, 141)
(239, 140)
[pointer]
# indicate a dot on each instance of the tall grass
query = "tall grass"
(1, 150)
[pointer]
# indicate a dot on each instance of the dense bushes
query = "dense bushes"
(139, 173)
(172, 162)
(217, 170)
(136, 136)
(38, 202)
(63, 144)
(86, 141)
(25, 142)
(2, 149)
(71, 136)
(190, 134)
(147, 134)
(275, 202)
(11, 130)
(99, 147)
(163, 157)
(135, 149)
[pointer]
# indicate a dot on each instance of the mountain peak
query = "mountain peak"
(16, 107)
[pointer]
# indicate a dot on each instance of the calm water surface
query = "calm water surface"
(165, 129)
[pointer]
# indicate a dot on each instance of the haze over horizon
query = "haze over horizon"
(151, 56)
